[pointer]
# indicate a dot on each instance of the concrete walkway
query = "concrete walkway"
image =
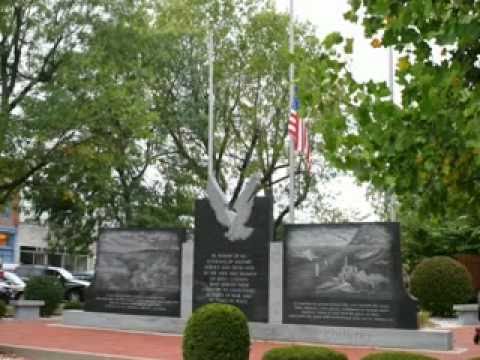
(50, 340)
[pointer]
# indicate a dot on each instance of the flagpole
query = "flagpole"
(291, 48)
(211, 101)
(389, 197)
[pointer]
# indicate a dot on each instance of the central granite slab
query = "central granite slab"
(229, 270)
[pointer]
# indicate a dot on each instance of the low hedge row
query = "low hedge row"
(320, 353)
(45, 288)
(303, 353)
(3, 309)
(397, 355)
(73, 305)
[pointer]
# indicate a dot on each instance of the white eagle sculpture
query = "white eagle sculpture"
(236, 218)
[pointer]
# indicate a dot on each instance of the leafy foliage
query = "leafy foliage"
(37, 39)
(140, 99)
(216, 332)
(439, 283)
(303, 353)
(73, 305)
(423, 238)
(424, 319)
(3, 309)
(45, 288)
(392, 355)
(426, 149)
(104, 181)
(251, 87)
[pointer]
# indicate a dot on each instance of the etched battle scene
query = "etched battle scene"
(150, 261)
(138, 271)
(340, 261)
(139, 260)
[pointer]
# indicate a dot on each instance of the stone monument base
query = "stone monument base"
(467, 314)
(440, 340)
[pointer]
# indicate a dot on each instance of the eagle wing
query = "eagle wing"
(218, 202)
(244, 204)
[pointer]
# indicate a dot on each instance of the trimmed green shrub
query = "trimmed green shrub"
(216, 332)
(424, 319)
(73, 305)
(439, 283)
(397, 355)
(3, 309)
(45, 288)
(392, 355)
(303, 353)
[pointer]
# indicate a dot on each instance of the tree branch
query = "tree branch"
(200, 171)
(17, 53)
(42, 76)
(301, 198)
(11, 186)
(243, 167)
(148, 159)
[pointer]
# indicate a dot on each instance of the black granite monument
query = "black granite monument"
(346, 275)
(227, 268)
(138, 272)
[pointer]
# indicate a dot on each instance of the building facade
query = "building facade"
(32, 248)
(8, 233)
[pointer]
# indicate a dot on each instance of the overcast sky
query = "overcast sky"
(327, 15)
(367, 64)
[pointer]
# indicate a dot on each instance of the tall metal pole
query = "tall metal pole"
(211, 102)
(389, 197)
(291, 47)
(391, 72)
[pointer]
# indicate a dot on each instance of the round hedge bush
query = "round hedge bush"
(303, 353)
(393, 355)
(45, 288)
(3, 309)
(439, 283)
(216, 332)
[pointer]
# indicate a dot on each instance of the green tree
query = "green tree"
(251, 87)
(36, 39)
(426, 149)
(103, 182)
(142, 85)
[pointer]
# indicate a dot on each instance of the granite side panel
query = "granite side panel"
(276, 283)
(187, 279)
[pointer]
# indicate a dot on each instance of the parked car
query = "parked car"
(17, 285)
(84, 275)
(75, 289)
(5, 292)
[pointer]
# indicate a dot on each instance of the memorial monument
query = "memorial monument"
(346, 275)
(342, 283)
(231, 250)
(138, 272)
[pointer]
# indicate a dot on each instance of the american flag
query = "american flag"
(298, 132)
